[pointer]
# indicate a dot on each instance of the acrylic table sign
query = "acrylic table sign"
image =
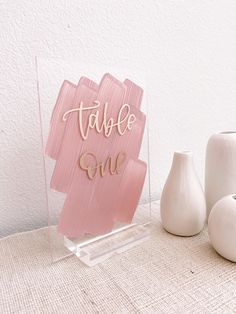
(95, 136)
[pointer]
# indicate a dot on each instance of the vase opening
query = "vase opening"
(183, 152)
(234, 197)
(228, 132)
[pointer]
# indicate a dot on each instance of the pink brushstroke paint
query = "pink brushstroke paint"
(89, 215)
(57, 127)
(72, 143)
(92, 206)
(127, 198)
(65, 101)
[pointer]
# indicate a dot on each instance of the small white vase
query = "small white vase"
(222, 227)
(183, 206)
(220, 172)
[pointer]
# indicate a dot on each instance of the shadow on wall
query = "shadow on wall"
(22, 201)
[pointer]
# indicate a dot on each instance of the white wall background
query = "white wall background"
(187, 47)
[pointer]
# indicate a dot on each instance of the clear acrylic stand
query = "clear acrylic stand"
(92, 251)
(51, 72)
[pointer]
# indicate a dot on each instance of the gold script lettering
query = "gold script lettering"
(88, 162)
(125, 119)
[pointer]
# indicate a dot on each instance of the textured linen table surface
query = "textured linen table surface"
(165, 274)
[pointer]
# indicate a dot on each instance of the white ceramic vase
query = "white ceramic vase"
(183, 206)
(222, 227)
(220, 172)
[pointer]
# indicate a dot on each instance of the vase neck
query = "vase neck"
(183, 159)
